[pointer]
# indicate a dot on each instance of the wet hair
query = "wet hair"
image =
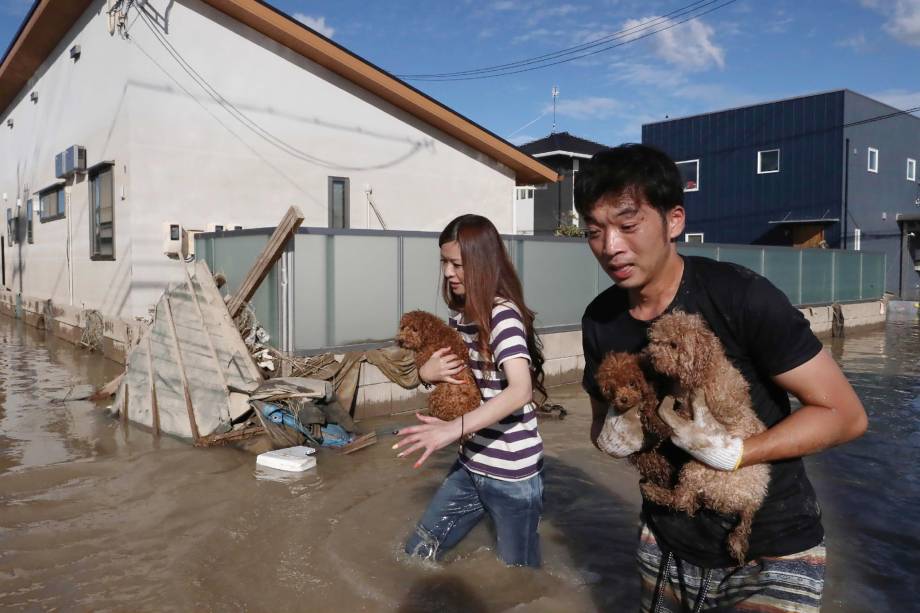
(647, 172)
(488, 274)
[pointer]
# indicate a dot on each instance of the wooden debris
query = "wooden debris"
(360, 442)
(273, 250)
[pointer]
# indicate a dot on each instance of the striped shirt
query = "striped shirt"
(510, 450)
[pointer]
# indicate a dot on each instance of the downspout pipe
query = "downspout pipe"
(846, 193)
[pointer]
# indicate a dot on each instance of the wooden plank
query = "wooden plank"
(178, 355)
(153, 389)
(233, 341)
(109, 388)
(124, 412)
(360, 442)
(207, 336)
(273, 250)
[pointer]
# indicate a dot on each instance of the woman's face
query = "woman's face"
(452, 267)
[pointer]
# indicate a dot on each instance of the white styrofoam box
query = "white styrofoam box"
(292, 459)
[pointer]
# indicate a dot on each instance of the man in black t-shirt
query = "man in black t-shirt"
(631, 199)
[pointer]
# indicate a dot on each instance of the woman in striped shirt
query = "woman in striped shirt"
(498, 471)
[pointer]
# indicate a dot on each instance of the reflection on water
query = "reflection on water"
(95, 515)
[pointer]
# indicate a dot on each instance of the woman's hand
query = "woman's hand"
(441, 366)
(432, 435)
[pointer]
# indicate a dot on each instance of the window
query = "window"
(338, 202)
(693, 237)
(911, 169)
(30, 238)
(690, 172)
(10, 228)
(767, 161)
(873, 160)
(102, 214)
(52, 203)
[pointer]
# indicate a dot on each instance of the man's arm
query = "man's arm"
(831, 414)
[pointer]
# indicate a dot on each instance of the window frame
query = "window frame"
(869, 152)
(760, 169)
(12, 227)
(92, 173)
(911, 169)
(59, 189)
(702, 236)
(346, 204)
(697, 162)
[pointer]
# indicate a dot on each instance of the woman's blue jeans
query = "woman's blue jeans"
(462, 500)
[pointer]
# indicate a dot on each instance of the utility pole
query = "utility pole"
(555, 95)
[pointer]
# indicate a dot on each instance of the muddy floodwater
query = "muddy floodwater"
(96, 516)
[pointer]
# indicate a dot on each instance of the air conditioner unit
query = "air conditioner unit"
(215, 227)
(172, 241)
(69, 161)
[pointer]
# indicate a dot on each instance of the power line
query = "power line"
(646, 31)
(568, 50)
(249, 123)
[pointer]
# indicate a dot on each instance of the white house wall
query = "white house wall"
(80, 102)
(264, 129)
(261, 128)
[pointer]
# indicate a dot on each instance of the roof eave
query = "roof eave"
(47, 23)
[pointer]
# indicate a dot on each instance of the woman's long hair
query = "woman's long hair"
(488, 274)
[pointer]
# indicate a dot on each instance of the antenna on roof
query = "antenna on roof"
(555, 95)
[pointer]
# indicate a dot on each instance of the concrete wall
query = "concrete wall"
(200, 136)
(68, 323)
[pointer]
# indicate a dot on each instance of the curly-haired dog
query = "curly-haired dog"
(424, 333)
(623, 383)
(683, 348)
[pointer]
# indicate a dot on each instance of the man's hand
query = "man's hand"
(622, 433)
(704, 438)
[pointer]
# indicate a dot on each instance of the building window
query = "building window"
(11, 223)
(102, 214)
(52, 203)
(30, 238)
(690, 173)
(694, 237)
(911, 169)
(523, 193)
(767, 161)
(873, 160)
(338, 202)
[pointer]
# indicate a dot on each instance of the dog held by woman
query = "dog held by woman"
(683, 348)
(623, 383)
(424, 334)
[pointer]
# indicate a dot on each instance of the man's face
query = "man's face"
(630, 238)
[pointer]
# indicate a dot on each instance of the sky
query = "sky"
(740, 52)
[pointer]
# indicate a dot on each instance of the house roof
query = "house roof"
(563, 143)
(775, 101)
(49, 21)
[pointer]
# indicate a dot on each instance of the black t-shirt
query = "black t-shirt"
(763, 335)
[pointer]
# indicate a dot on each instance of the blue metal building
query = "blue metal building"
(834, 169)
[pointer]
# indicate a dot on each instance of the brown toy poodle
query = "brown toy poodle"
(623, 383)
(424, 334)
(683, 348)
